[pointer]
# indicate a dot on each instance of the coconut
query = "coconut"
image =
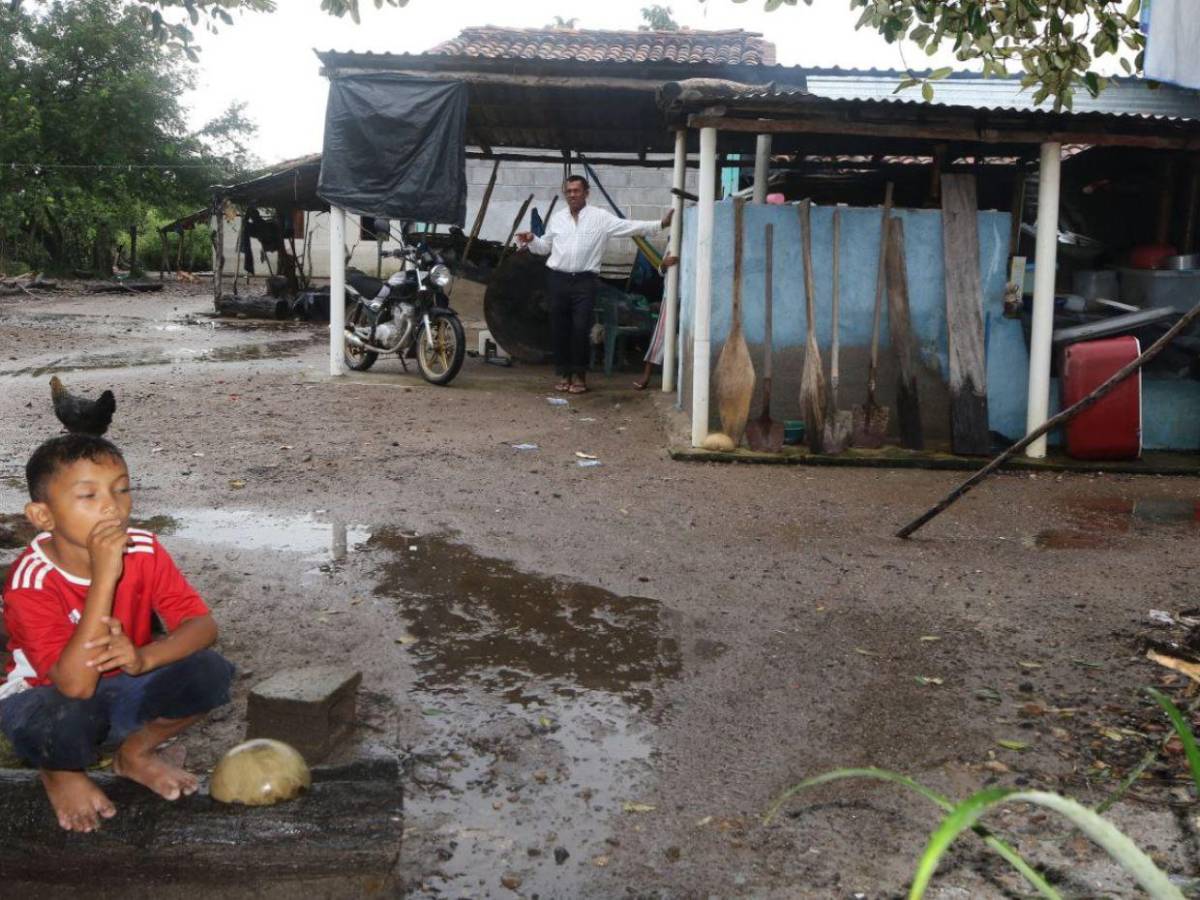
(718, 441)
(259, 773)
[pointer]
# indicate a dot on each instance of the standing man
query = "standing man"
(575, 239)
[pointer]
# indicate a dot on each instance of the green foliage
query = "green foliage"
(340, 8)
(153, 246)
(966, 815)
(1179, 723)
(1003, 849)
(658, 18)
(1108, 836)
(92, 133)
(1053, 45)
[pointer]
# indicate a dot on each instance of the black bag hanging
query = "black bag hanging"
(395, 147)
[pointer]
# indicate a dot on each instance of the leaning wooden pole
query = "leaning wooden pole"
(1050, 424)
(483, 207)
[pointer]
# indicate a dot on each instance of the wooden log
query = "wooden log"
(252, 307)
(124, 287)
(350, 823)
(908, 404)
(964, 317)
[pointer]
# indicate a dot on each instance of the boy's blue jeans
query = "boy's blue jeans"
(52, 731)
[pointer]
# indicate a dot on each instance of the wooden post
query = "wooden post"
(908, 404)
(964, 317)
(219, 249)
(1188, 244)
(1018, 211)
(762, 167)
(483, 206)
(237, 252)
(670, 307)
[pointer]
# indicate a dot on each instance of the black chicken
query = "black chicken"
(80, 415)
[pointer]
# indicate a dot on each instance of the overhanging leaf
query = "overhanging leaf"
(1003, 849)
(1185, 733)
(1135, 863)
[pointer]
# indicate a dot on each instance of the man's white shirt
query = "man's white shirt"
(577, 245)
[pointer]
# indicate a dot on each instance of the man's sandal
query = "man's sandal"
(579, 389)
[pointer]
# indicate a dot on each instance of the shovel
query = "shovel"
(812, 378)
(838, 423)
(765, 434)
(871, 419)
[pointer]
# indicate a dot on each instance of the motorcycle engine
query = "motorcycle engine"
(386, 335)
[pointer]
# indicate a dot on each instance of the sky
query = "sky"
(267, 61)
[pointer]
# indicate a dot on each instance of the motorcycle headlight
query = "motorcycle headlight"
(441, 277)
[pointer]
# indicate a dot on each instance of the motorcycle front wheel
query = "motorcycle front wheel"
(358, 358)
(440, 359)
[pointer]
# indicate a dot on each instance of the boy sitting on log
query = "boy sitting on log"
(84, 672)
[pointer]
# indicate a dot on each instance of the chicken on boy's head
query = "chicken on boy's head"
(76, 481)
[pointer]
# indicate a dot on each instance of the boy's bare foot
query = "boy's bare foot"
(159, 772)
(77, 801)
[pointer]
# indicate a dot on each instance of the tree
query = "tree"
(658, 18)
(92, 133)
(566, 24)
(1055, 43)
(172, 21)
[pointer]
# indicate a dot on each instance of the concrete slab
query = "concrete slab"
(311, 708)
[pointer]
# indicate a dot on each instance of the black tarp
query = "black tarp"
(395, 147)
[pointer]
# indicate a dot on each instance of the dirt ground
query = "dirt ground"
(601, 677)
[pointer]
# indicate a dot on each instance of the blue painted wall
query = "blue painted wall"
(1171, 408)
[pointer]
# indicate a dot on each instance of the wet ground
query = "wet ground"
(601, 677)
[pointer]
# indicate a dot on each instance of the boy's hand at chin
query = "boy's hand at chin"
(117, 651)
(106, 547)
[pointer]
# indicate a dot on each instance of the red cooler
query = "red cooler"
(1112, 428)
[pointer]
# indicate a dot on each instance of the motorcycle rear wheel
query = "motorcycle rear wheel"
(358, 358)
(440, 360)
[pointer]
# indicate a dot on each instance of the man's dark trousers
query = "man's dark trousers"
(572, 301)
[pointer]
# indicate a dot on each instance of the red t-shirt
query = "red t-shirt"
(43, 605)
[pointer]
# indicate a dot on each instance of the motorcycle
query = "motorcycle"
(409, 314)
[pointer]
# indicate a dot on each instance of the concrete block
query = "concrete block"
(312, 708)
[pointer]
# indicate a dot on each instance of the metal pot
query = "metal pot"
(1182, 262)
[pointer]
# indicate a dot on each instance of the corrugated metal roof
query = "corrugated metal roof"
(1122, 96)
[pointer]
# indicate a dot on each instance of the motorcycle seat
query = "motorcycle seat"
(367, 286)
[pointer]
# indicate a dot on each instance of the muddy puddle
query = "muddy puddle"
(1095, 524)
(313, 539)
(166, 356)
(537, 695)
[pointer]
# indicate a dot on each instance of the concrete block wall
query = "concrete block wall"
(641, 193)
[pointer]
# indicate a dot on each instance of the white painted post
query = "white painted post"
(762, 167)
(337, 290)
(1045, 260)
(701, 343)
(670, 308)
